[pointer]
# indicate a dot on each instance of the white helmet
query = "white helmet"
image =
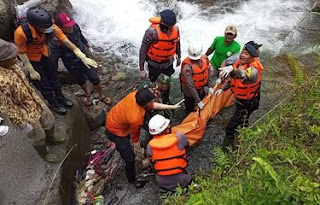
(194, 51)
(157, 124)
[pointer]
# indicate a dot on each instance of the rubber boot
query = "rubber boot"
(52, 139)
(46, 155)
(57, 107)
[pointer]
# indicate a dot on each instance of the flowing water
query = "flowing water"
(116, 28)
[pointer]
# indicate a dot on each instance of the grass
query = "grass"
(277, 161)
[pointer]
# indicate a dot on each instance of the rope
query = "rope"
(56, 173)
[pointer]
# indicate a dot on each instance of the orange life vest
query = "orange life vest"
(200, 75)
(165, 48)
(167, 159)
(246, 91)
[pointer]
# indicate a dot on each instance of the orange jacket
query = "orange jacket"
(126, 117)
(167, 159)
(246, 91)
(200, 75)
(165, 48)
(35, 50)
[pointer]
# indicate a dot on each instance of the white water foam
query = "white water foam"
(118, 26)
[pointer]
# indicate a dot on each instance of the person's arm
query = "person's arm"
(160, 106)
(34, 75)
(149, 37)
(211, 48)
(187, 73)
(178, 50)
(20, 40)
(183, 142)
(135, 129)
(82, 38)
(247, 76)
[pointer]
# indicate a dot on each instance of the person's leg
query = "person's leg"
(124, 147)
(238, 119)
(45, 88)
(37, 137)
(54, 80)
(168, 71)
(189, 103)
(47, 121)
(153, 73)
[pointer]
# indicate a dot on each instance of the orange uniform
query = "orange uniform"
(126, 117)
(36, 49)
(246, 91)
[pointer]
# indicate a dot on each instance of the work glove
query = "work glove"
(218, 81)
(178, 61)
(34, 75)
(218, 92)
(211, 91)
(28, 128)
(200, 105)
(225, 71)
(143, 74)
(85, 60)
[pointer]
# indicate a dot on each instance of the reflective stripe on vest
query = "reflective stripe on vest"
(167, 159)
(200, 75)
(246, 91)
(165, 48)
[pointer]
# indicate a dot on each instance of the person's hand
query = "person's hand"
(225, 71)
(85, 60)
(178, 61)
(211, 91)
(200, 105)
(34, 75)
(143, 74)
(218, 81)
(28, 128)
(218, 92)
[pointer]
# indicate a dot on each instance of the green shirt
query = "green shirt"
(222, 51)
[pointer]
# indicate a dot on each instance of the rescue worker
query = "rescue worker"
(31, 39)
(20, 103)
(245, 84)
(195, 75)
(167, 154)
(160, 45)
(223, 47)
(73, 64)
(123, 123)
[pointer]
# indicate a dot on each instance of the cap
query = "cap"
(144, 96)
(251, 49)
(255, 45)
(231, 29)
(168, 17)
(7, 50)
(64, 20)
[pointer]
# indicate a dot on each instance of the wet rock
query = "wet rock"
(54, 6)
(316, 7)
(119, 76)
(95, 118)
(7, 18)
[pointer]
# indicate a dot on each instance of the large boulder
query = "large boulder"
(54, 6)
(7, 16)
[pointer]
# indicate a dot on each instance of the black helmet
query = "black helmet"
(39, 17)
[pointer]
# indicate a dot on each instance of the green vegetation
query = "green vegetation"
(277, 161)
